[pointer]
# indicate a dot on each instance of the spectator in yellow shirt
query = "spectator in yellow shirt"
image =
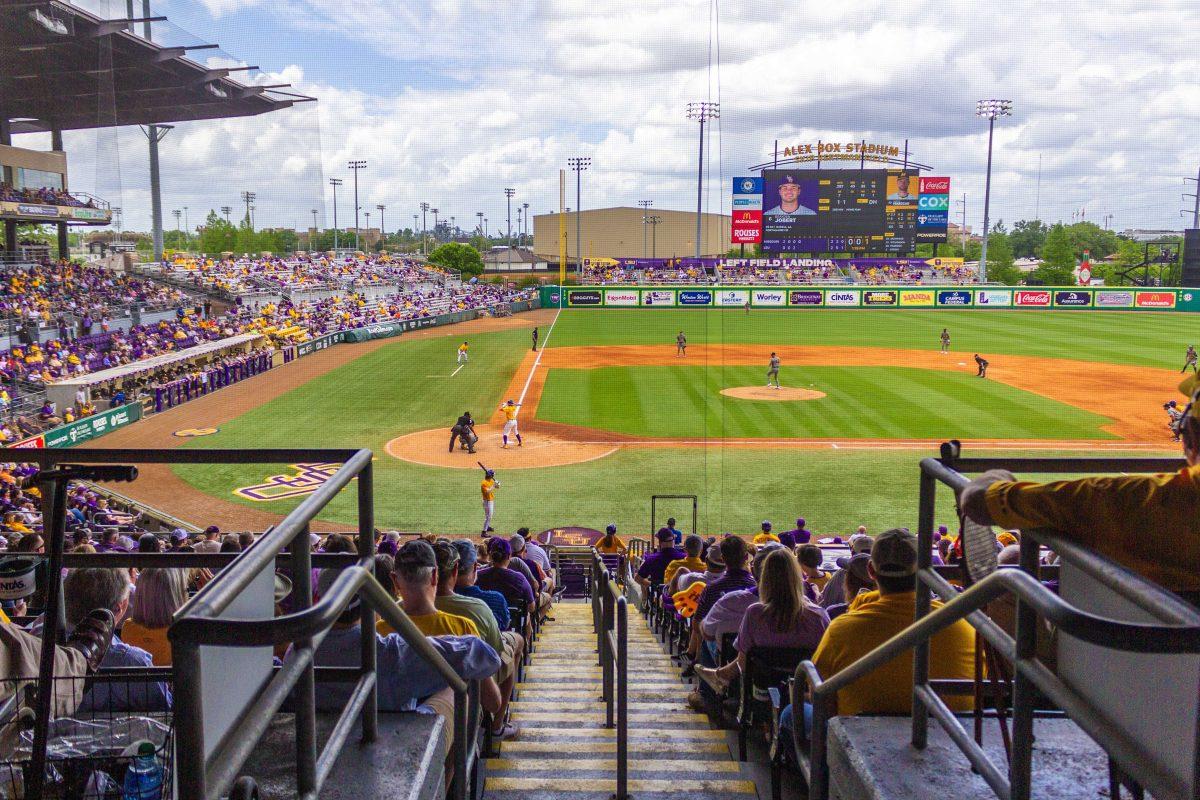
(609, 544)
(765, 536)
(415, 573)
(692, 545)
(1124, 517)
(160, 593)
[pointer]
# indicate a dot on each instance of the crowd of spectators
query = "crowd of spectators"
(45, 195)
(915, 275)
(236, 276)
(73, 296)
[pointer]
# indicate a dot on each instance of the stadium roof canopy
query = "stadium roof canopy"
(63, 67)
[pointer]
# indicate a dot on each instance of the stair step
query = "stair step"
(676, 736)
(644, 747)
(636, 785)
(542, 764)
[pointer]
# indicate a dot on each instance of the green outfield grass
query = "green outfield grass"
(406, 386)
(685, 401)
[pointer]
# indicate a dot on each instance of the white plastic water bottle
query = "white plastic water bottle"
(144, 778)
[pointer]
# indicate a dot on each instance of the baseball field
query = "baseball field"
(611, 414)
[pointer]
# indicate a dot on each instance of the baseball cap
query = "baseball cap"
(517, 543)
(861, 543)
(713, 557)
(856, 565)
(761, 554)
(611, 529)
(211, 529)
(415, 554)
(766, 525)
(498, 547)
(467, 554)
(179, 535)
(664, 535)
(789, 179)
(894, 553)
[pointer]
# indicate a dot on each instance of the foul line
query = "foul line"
(538, 360)
(460, 366)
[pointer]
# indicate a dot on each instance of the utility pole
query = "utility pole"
(989, 109)
(435, 224)
(525, 230)
(177, 214)
(187, 236)
(479, 225)
(368, 225)
(963, 231)
(654, 219)
(579, 164)
(1196, 198)
(248, 198)
(645, 204)
(1037, 203)
(335, 182)
(414, 227)
(702, 112)
(356, 166)
(226, 210)
(424, 208)
(508, 195)
(382, 227)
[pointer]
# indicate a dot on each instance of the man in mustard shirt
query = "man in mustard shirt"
(416, 579)
(487, 488)
(1124, 517)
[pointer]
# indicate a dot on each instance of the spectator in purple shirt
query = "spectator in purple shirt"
(799, 534)
(500, 578)
(654, 565)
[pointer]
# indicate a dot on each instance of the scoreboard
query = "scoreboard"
(850, 210)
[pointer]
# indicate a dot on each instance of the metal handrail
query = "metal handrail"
(610, 616)
(1180, 634)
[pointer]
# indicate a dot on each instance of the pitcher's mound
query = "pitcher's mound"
(771, 393)
(539, 450)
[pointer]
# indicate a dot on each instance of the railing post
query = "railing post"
(607, 665)
(461, 778)
(818, 771)
(1020, 775)
(925, 508)
(190, 761)
(306, 689)
(366, 549)
(622, 699)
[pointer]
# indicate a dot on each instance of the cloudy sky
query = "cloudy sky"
(450, 101)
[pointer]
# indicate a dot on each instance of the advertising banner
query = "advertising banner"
(658, 297)
(954, 297)
(1032, 298)
(933, 209)
(879, 297)
(320, 343)
(89, 213)
(841, 297)
(746, 226)
(424, 322)
(36, 210)
(92, 427)
(935, 185)
(695, 297)
(1114, 299)
(811, 297)
(1189, 301)
(1155, 300)
(916, 297)
(621, 297)
(990, 298)
(584, 297)
(1070, 299)
(31, 442)
(382, 330)
(733, 297)
(771, 297)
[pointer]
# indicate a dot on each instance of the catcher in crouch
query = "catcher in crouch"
(464, 432)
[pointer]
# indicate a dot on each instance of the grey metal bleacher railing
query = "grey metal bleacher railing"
(611, 619)
(1176, 630)
(196, 626)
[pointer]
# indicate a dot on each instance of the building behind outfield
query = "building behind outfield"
(622, 233)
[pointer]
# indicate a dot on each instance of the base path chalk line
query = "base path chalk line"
(460, 366)
(538, 360)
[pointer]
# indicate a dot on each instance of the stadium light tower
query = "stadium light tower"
(335, 182)
(177, 214)
(479, 215)
(382, 227)
(654, 219)
(525, 230)
(508, 195)
(356, 166)
(186, 226)
(434, 211)
(248, 198)
(227, 210)
(989, 109)
(314, 213)
(415, 224)
(578, 164)
(645, 204)
(701, 112)
(424, 208)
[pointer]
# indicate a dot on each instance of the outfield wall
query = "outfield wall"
(799, 297)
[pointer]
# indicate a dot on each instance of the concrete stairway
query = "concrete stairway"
(564, 749)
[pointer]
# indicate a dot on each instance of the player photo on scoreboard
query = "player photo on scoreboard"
(902, 189)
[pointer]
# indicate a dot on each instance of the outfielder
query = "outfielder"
(680, 345)
(510, 422)
(1172, 409)
(462, 353)
(945, 340)
(982, 364)
(773, 371)
(488, 488)
(1189, 359)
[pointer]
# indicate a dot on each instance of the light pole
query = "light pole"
(356, 166)
(177, 214)
(525, 230)
(508, 195)
(335, 182)
(368, 223)
(314, 213)
(579, 164)
(424, 208)
(227, 210)
(187, 238)
(117, 213)
(414, 228)
(479, 215)
(248, 198)
(702, 112)
(654, 219)
(434, 211)
(645, 204)
(453, 229)
(989, 109)
(485, 233)
(382, 227)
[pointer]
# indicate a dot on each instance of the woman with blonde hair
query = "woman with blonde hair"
(782, 617)
(159, 594)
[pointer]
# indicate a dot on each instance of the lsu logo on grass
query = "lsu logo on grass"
(307, 479)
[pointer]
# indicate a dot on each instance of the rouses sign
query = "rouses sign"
(746, 226)
(879, 298)
(1155, 300)
(733, 297)
(584, 297)
(916, 297)
(1114, 299)
(1039, 298)
(771, 297)
(658, 297)
(990, 298)
(695, 297)
(800, 298)
(954, 297)
(621, 297)
(1073, 299)
(841, 297)
(92, 427)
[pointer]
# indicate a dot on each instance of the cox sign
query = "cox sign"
(934, 202)
(1033, 298)
(695, 297)
(841, 297)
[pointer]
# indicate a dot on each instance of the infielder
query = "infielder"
(982, 364)
(535, 338)
(462, 353)
(945, 340)
(680, 345)
(1172, 409)
(510, 422)
(773, 371)
(488, 488)
(1189, 359)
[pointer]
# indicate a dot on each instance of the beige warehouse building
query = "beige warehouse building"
(621, 233)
